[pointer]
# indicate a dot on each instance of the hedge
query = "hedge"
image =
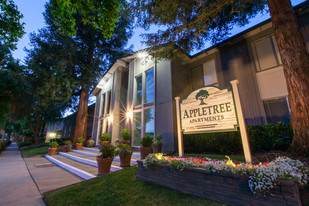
(261, 138)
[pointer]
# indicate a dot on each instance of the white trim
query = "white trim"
(74, 170)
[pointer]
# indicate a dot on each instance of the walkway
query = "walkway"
(16, 185)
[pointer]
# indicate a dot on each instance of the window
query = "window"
(277, 110)
(210, 73)
(138, 90)
(143, 114)
(266, 53)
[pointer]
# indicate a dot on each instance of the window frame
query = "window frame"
(143, 106)
(274, 48)
(214, 58)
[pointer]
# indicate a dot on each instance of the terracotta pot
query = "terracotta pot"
(125, 160)
(104, 165)
(145, 151)
(79, 146)
(104, 142)
(156, 149)
(69, 147)
(52, 151)
(128, 142)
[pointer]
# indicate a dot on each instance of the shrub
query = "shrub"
(53, 144)
(261, 138)
(126, 134)
(158, 140)
(81, 140)
(25, 143)
(107, 151)
(146, 141)
(105, 137)
(68, 142)
(124, 149)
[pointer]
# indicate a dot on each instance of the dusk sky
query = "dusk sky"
(34, 20)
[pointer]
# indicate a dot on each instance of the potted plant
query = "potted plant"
(106, 158)
(53, 147)
(80, 142)
(157, 144)
(126, 136)
(68, 145)
(90, 143)
(125, 154)
(146, 143)
(105, 138)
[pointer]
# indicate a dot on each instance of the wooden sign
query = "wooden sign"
(208, 109)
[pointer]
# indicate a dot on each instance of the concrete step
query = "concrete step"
(87, 154)
(95, 150)
(74, 167)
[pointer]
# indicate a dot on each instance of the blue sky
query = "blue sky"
(34, 20)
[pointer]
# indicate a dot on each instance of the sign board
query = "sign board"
(208, 109)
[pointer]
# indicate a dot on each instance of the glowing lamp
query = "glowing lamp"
(142, 54)
(129, 115)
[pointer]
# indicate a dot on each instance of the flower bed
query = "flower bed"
(232, 183)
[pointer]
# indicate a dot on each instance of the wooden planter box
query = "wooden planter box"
(223, 187)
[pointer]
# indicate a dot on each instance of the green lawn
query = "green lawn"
(35, 151)
(217, 157)
(121, 188)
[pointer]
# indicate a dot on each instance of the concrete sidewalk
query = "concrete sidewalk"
(48, 176)
(16, 185)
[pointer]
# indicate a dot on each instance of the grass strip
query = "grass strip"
(35, 151)
(121, 188)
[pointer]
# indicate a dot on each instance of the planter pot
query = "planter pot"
(125, 160)
(52, 151)
(90, 143)
(156, 149)
(128, 142)
(104, 165)
(79, 146)
(69, 147)
(145, 151)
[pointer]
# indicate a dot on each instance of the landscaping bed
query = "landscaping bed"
(273, 183)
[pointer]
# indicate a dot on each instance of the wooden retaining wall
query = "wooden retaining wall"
(223, 187)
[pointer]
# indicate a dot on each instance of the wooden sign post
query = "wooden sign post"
(211, 109)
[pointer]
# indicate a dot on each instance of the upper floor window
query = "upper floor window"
(210, 73)
(266, 53)
(144, 88)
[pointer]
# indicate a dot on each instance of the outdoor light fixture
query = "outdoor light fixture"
(110, 118)
(129, 114)
(52, 134)
(142, 54)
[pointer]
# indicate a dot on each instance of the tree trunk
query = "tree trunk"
(35, 131)
(295, 60)
(81, 116)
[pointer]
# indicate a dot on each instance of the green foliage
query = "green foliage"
(68, 142)
(124, 149)
(35, 151)
(122, 188)
(24, 144)
(53, 144)
(11, 29)
(158, 140)
(191, 23)
(105, 137)
(107, 151)
(126, 134)
(33, 146)
(146, 141)
(81, 140)
(101, 15)
(261, 138)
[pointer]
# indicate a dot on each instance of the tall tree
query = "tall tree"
(100, 29)
(191, 22)
(11, 28)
